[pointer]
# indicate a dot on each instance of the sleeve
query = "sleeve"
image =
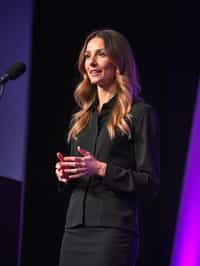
(146, 147)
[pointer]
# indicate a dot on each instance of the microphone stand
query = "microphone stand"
(1, 89)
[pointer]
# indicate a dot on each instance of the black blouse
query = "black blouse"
(133, 168)
(106, 109)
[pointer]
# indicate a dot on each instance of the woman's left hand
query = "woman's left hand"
(93, 166)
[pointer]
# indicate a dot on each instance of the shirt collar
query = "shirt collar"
(107, 105)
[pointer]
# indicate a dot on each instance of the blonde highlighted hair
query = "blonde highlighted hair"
(127, 89)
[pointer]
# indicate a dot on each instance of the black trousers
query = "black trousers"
(99, 246)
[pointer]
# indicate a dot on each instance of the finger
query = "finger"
(82, 151)
(61, 176)
(77, 175)
(60, 173)
(63, 180)
(60, 156)
(59, 166)
(75, 170)
(70, 165)
(73, 159)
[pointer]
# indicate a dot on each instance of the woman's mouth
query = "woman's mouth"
(95, 72)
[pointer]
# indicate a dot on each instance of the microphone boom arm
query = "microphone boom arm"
(1, 89)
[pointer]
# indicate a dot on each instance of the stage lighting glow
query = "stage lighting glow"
(186, 251)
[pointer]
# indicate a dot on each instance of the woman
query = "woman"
(113, 156)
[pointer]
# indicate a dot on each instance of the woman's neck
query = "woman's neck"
(104, 95)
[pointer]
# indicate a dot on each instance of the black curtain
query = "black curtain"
(168, 67)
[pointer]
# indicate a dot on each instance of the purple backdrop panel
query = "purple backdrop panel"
(186, 250)
(15, 45)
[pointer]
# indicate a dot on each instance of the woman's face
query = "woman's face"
(98, 65)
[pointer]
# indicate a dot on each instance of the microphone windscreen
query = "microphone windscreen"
(16, 70)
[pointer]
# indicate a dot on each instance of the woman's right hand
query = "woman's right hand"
(69, 167)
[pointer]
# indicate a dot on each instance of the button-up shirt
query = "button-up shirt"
(132, 170)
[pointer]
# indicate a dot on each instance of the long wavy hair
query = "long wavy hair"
(127, 85)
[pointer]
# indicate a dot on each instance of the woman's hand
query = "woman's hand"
(93, 166)
(72, 167)
(69, 167)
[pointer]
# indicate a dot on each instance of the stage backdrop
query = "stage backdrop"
(15, 46)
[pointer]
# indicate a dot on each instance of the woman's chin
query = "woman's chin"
(95, 81)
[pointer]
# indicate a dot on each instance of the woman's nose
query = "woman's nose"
(93, 60)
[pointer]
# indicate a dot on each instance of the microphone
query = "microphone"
(13, 72)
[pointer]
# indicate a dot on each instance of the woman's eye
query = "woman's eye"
(102, 54)
(87, 55)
